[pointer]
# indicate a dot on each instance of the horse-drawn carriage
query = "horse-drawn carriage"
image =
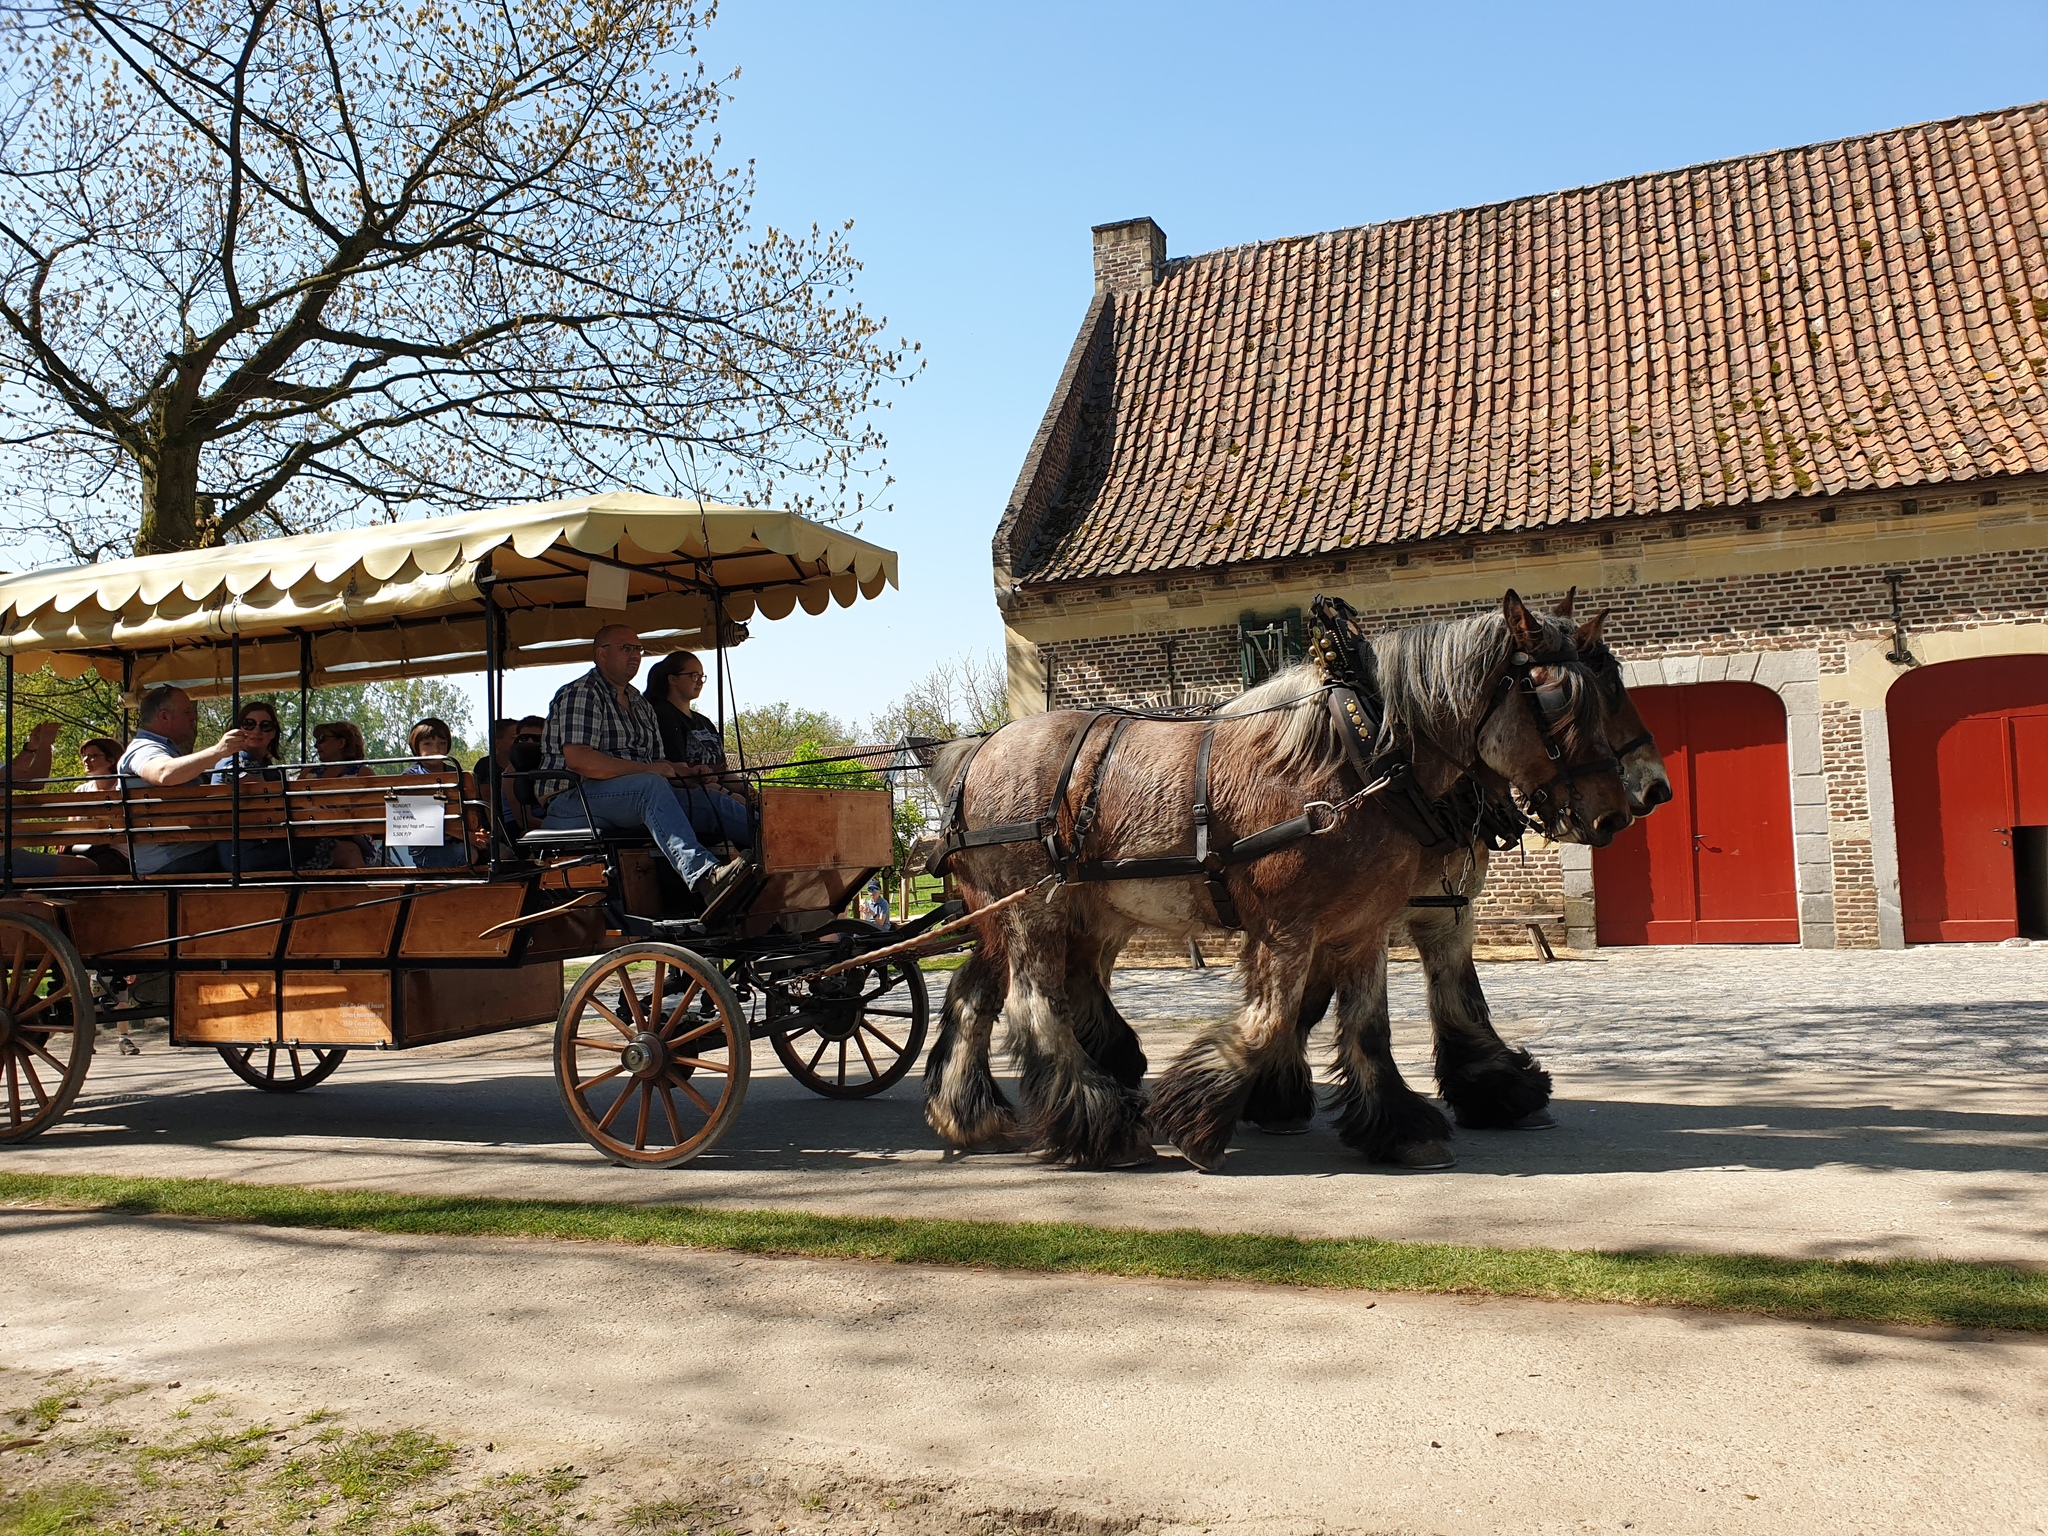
(284, 971)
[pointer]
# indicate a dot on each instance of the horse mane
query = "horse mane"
(1293, 705)
(942, 763)
(1432, 674)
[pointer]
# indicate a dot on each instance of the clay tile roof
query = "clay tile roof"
(1852, 316)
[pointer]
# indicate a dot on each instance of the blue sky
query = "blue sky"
(974, 145)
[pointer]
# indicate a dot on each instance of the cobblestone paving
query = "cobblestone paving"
(1949, 1009)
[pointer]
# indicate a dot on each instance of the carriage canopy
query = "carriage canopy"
(408, 598)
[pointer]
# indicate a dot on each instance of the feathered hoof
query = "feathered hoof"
(1422, 1156)
(1300, 1127)
(1497, 1094)
(1010, 1139)
(1536, 1120)
(989, 1129)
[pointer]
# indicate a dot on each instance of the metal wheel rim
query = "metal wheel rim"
(243, 1061)
(883, 1046)
(47, 1025)
(652, 1055)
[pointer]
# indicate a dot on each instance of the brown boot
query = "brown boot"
(717, 888)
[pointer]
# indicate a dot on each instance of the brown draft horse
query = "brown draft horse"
(1315, 912)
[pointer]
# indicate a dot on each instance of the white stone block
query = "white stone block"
(1712, 669)
(1643, 674)
(1802, 740)
(1680, 670)
(1809, 789)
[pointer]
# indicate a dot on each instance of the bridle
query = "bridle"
(1603, 664)
(1549, 707)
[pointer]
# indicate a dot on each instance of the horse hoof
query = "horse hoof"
(1205, 1162)
(1137, 1156)
(1535, 1120)
(1423, 1155)
(1285, 1127)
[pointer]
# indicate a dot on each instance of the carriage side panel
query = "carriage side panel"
(452, 1005)
(818, 846)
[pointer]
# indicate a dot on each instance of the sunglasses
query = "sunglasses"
(527, 736)
(255, 723)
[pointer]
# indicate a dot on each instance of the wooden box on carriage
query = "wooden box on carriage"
(819, 845)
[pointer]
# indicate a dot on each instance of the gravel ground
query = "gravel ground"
(1969, 1009)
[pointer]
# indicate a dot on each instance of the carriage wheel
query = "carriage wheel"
(47, 1024)
(854, 1034)
(282, 1068)
(651, 1055)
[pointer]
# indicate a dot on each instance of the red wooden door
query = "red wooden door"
(1715, 865)
(1969, 762)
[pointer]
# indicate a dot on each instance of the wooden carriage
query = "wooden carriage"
(285, 971)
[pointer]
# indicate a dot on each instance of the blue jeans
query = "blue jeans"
(680, 820)
(257, 857)
(447, 856)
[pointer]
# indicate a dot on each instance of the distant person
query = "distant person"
(493, 782)
(161, 754)
(29, 770)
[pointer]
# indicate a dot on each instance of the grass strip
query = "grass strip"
(1913, 1291)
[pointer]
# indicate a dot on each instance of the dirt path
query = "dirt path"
(1063, 1401)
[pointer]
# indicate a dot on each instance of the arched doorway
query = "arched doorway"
(1714, 866)
(1969, 744)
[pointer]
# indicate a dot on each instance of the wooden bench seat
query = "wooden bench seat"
(1533, 921)
(207, 813)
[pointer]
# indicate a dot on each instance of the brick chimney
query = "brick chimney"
(1128, 255)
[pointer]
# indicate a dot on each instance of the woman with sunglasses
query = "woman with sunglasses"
(258, 723)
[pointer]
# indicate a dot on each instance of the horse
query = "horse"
(1314, 909)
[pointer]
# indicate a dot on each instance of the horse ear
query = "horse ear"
(1524, 628)
(1564, 609)
(1588, 633)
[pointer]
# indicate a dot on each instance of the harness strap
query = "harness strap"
(1211, 863)
(1091, 803)
(1049, 824)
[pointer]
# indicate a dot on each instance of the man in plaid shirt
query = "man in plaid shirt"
(602, 729)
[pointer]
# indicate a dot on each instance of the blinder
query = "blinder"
(1549, 707)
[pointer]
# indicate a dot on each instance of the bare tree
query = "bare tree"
(965, 696)
(265, 263)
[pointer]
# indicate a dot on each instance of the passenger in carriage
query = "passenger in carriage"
(255, 763)
(339, 746)
(603, 729)
(161, 754)
(98, 755)
(430, 742)
(30, 768)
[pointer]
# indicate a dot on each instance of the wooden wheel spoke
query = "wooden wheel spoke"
(824, 1044)
(894, 1048)
(668, 1107)
(298, 1070)
(40, 1004)
(702, 1065)
(630, 996)
(611, 1018)
(602, 1077)
(697, 1098)
(842, 1063)
(709, 1027)
(677, 1014)
(892, 1013)
(866, 1055)
(37, 1047)
(584, 1043)
(13, 1091)
(14, 961)
(640, 1118)
(23, 994)
(35, 1084)
(617, 1104)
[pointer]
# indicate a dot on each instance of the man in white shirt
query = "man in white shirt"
(161, 753)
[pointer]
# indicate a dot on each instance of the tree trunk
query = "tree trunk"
(172, 515)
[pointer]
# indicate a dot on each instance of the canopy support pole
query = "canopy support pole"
(127, 688)
(7, 858)
(305, 691)
(234, 767)
(494, 706)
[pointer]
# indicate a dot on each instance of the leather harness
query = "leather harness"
(1466, 814)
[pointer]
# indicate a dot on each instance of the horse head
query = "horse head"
(1643, 774)
(1544, 731)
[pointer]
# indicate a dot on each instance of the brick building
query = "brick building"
(1785, 414)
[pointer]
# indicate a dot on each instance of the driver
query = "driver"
(602, 728)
